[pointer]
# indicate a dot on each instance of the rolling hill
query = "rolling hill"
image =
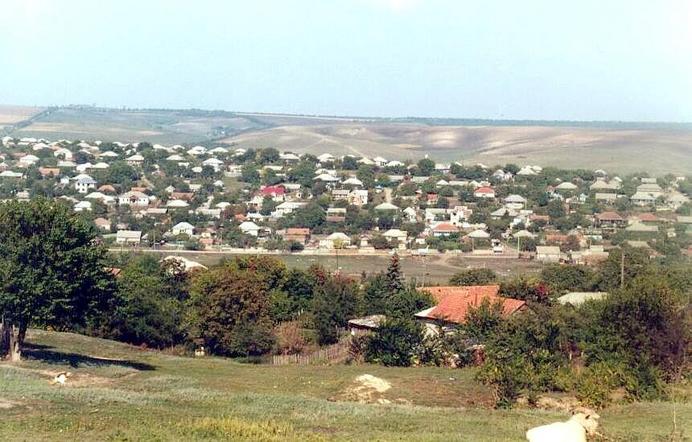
(657, 148)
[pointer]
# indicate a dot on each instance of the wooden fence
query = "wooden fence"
(333, 354)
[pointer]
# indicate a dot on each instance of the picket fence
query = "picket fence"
(333, 354)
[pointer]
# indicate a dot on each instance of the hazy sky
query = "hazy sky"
(530, 59)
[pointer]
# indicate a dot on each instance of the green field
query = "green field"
(425, 270)
(156, 126)
(119, 392)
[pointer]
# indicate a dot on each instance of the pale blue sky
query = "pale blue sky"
(530, 59)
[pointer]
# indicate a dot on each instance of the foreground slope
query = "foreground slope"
(122, 392)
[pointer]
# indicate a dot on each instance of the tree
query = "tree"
(120, 173)
(52, 273)
(643, 326)
(563, 278)
(376, 295)
(310, 216)
(299, 287)
(268, 155)
(526, 289)
(366, 174)
(349, 163)
(250, 174)
(335, 302)
(407, 302)
(483, 320)
(302, 173)
(395, 343)
(229, 311)
(474, 277)
(150, 303)
(395, 281)
(556, 209)
(426, 166)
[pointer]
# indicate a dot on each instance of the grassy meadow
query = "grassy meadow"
(120, 392)
(432, 269)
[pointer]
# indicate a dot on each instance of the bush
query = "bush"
(295, 246)
(289, 338)
(597, 382)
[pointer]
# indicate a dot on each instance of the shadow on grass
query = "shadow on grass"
(44, 353)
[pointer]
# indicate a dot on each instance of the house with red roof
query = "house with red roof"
(444, 230)
(453, 303)
(277, 193)
(484, 192)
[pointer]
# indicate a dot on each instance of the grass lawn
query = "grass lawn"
(119, 392)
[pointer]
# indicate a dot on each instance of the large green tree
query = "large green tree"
(151, 298)
(336, 301)
(229, 311)
(52, 271)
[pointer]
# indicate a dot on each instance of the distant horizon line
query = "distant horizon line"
(403, 119)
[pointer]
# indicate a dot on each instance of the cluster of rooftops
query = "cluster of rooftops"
(198, 191)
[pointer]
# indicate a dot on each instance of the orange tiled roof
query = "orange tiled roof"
(647, 217)
(445, 227)
(453, 303)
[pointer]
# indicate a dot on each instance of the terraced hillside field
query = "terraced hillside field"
(10, 115)
(658, 150)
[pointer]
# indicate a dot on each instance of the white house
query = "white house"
(83, 183)
(128, 237)
(28, 160)
(134, 198)
(325, 158)
(176, 204)
(548, 253)
(515, 201)
(135, 160)
(335, 241)
(400, 236)
(249, 228)
(183, 228)
(214, 163)
(287, 207)
(566, 186)
(82, 206)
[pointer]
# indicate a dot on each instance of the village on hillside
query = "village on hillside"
(227, 198)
